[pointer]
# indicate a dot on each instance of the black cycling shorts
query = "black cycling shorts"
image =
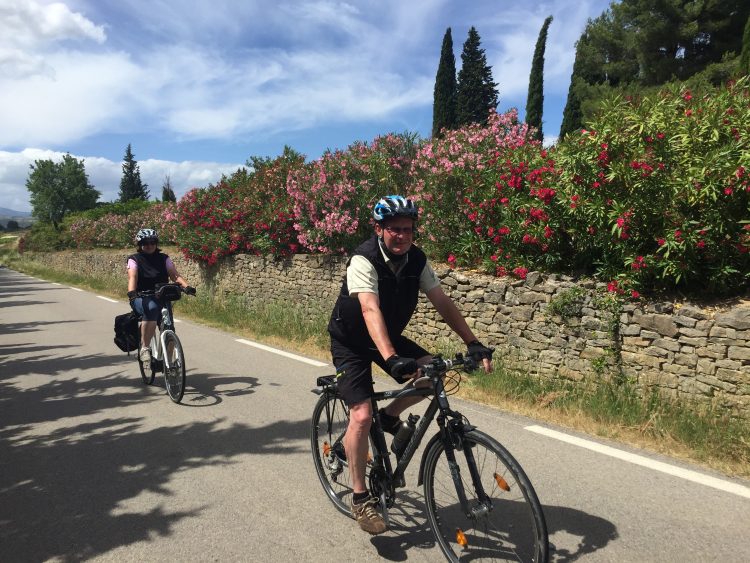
(354, 366)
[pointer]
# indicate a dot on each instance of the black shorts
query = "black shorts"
(354, 366)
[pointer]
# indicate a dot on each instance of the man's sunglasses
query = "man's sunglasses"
(406, 231)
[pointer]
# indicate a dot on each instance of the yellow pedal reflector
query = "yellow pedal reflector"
(461, 538)
(502, 483)
(326, 448)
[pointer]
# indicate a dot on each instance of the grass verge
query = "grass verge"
(693, 432)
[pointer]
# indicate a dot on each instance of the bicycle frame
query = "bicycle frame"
(449, 434)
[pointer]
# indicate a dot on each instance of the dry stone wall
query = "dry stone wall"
(552, 326)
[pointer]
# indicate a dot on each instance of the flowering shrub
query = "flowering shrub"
(488, 196)
(248, 212)
(116, 230)
(334, 195)
(659, 189)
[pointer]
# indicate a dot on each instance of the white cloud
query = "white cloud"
(105, 174)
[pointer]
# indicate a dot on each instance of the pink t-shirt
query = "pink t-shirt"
(133, 265)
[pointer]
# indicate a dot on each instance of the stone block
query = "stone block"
(738, 353)
(686, 360)
(530, 297)
(667, 344)
(693, 332)
(715, 351)
(733, 375)
(663, 324)
(737, 318)
(705, 365)
(522, 313)
(630, 358)
(684, 321)
(690, 341)
(692, 312)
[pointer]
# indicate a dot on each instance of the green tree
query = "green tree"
(12, 225)
(444, 99)
(476, 93)
(535, 98)
(745, 55)
(131, 186)
(59, 188)
(167, 193)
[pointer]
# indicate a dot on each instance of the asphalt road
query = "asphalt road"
(94, 465)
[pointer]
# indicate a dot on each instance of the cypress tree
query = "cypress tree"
(572, 115)
(535, 98)
(745, 54)
(131, 186)
(476, 93)
(167, 193)
(444, 100)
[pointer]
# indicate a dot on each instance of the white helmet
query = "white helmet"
(146, 234)
(394, 206)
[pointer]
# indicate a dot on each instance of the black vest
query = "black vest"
(398, 297)
(152, 269)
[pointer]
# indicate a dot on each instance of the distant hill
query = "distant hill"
(4, 211)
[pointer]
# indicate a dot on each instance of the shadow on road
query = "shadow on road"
(74, 492)
(410, 529)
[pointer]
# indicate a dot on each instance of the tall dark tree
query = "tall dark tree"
(131, 186)
(167, 193)
(59, 188)
(444, 98)
(13, 225)
(745, 55)
(476, 93)
(572, 115)
(535, 98)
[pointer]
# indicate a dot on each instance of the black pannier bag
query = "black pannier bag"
(127, 338)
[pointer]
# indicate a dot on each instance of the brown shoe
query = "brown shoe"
(368, 517)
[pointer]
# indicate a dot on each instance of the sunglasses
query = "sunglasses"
(406, 231)
(148, 242)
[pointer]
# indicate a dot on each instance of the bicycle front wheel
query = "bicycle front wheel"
(147, 369)
(174, 375)
(329, 423)
(508, 525)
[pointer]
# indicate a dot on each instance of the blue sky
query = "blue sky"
(197, 87)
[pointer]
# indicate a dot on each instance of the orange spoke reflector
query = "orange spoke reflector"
(502, 483)
(369, 457)
(326, 448)
(461, 538)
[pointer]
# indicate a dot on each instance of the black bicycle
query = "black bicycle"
(480, 503)
(166, 350)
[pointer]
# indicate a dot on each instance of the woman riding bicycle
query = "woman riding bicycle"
(378, 298)
(147, 268)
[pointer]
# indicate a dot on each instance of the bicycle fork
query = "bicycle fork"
(484, 506)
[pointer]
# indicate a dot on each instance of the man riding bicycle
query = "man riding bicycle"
(146, 268)
(377, 300)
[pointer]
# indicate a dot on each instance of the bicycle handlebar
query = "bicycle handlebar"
(439, 365)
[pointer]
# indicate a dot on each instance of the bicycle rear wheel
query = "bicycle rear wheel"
(329, 422)
(510, 527)
(174, 376)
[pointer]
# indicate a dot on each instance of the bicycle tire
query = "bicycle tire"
(514, 529)
(174, 376)
(326, 440)
(147, 372)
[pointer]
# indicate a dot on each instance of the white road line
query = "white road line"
(282, 353)
(722, 485)
(75, 289)
(107, 299)
(177, 320)
(55, 283)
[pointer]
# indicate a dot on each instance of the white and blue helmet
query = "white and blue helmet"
(146, 234)
(394, 206)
